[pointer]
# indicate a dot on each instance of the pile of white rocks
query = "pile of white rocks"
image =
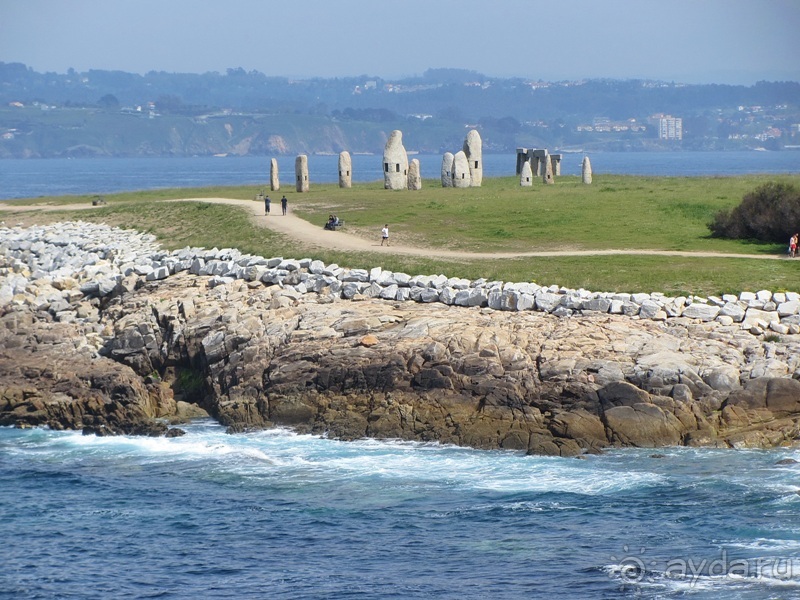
(59, 267)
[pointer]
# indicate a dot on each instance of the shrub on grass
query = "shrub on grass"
(770, 213)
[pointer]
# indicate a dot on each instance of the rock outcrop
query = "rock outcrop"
(261, 342)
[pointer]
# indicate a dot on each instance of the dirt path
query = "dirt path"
(316, 237)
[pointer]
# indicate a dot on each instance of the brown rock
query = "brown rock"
(643, 425)
(368, 340)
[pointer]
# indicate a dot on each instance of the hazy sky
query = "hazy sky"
(690, 41)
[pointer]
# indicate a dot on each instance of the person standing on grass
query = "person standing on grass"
(284, 204)
(793, 245)
(267, 203)
(385, 235)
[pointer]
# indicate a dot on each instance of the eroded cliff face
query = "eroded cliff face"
(257, 356)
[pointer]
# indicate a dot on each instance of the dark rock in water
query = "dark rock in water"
(658, 456)
(175, 432)
(148, 428)
(787, 461)
(99, 431)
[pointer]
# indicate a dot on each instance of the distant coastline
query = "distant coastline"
(31, 178)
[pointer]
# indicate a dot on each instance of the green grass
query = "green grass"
(615, 212)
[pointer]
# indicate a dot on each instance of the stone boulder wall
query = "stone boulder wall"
(476, 377)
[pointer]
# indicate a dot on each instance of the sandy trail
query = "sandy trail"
(316, 236)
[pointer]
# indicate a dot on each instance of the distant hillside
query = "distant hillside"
(112, 113)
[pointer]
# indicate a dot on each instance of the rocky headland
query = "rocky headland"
(103, 331)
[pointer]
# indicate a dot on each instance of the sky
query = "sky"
(681, 41)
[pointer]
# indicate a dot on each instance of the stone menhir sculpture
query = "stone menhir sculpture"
(473, 148)
(301, 172)
(523, 156)
(447, 169)
(538, 156)
(395, 163)
(525, 174)
(542, 163)
(461, 178)
(345, 170)
(414, 175)
(586, 171)
(555, 162)
(274, 181)
(547, 168)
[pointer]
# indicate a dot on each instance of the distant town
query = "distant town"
(110, 113)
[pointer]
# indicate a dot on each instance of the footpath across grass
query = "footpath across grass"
(615, 212)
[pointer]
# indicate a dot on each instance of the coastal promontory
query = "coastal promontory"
(103, 331)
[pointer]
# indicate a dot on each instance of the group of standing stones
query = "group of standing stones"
(300, 172)
(460, 170)
(57, 267)
(302, 183)
(537, 162)
(464, 168)
(398, 173)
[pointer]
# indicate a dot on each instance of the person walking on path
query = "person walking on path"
(385, 235)
(284, 204)
(267, 203)
(793, 245)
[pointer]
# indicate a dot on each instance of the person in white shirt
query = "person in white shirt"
(385, 235)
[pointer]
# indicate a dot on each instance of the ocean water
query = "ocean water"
(278, 515)
(44, 177)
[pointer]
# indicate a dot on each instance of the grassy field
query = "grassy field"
(615, 212)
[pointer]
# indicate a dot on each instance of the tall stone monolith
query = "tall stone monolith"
(461, 178)
(547, 168)
(537, 160)
(345, 170)
(301, 173)
(414, 175)
(586, 171)
(447, 169)
(274, 180)
(555, 161)
(395, 163)
(526, 174)
(473, 148)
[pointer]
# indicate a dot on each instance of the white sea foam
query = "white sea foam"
(509, 507)
(765, 544)
(419, 463)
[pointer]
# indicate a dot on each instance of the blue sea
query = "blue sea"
(29, 178)
(279, 515)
